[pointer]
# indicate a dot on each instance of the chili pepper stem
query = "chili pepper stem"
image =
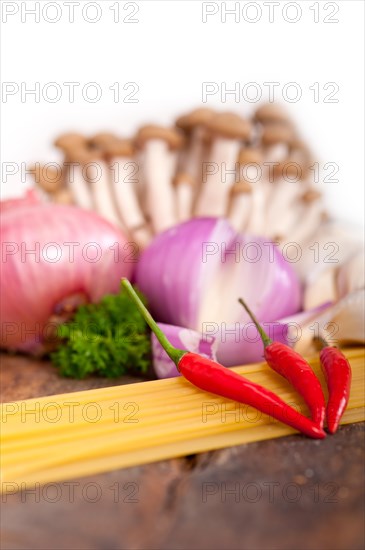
(264, 337)
(174, 353)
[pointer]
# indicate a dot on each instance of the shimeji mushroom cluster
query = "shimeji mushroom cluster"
(258, 173)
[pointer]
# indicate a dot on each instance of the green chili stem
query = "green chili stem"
(174, 353)
(264, 337)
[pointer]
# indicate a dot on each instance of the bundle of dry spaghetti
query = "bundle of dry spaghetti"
(71, 435)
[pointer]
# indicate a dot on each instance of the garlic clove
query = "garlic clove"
(351, 275)
(347, 318)
(340, 324)
(331, 245)
(321, 289)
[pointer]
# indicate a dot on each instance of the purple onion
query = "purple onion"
(194, 273)
(75, 253)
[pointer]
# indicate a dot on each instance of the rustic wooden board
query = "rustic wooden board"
(287, 493)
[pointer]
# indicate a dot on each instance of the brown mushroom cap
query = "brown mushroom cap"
(277, 133)
(47, 178)
(112, 146)
(184, 177)
(69, 141)
(242, 186)
(311, 195)
(299, 145)
(102, 140)
(229, 125)
(63, 196)
(172, 136)
(299, 148)
(84, 155)
(271, 112)
(198, 117)
(250, 155)
(290, 168)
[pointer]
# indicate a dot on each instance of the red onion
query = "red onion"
(77, 253)
(30, 198)
(194, 273)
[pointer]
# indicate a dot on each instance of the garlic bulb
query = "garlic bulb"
(340, 324)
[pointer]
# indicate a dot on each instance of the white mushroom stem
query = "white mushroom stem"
(253, 180)
(185, 191)
(127, 202)
(78, 186)
(288, 185)
(241, 205)
(257, 219)
(306, 223)
(221, 174)
(195, 154)
(189, 176)
(283, 210)
(159, 191)
(276, 152)
(276, 139)
(75, 149)
(141, 186)
(280, 192)
(101, 191)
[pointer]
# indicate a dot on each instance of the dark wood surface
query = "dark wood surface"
(281, 494)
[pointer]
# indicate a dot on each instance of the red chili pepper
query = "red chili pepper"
(289, 364)
(337, 372)
(212, 377)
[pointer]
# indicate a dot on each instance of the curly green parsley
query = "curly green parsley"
(109, 339)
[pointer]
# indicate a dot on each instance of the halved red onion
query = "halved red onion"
(181, 338)
(194, 273)
(51, 253)
(173, 273)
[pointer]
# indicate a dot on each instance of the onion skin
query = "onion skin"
(33, 286)
(181, 338)
(174, 277)
(30, 198)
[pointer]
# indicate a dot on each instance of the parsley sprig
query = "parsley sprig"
(109, 339)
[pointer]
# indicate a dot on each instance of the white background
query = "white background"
(169, 52)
